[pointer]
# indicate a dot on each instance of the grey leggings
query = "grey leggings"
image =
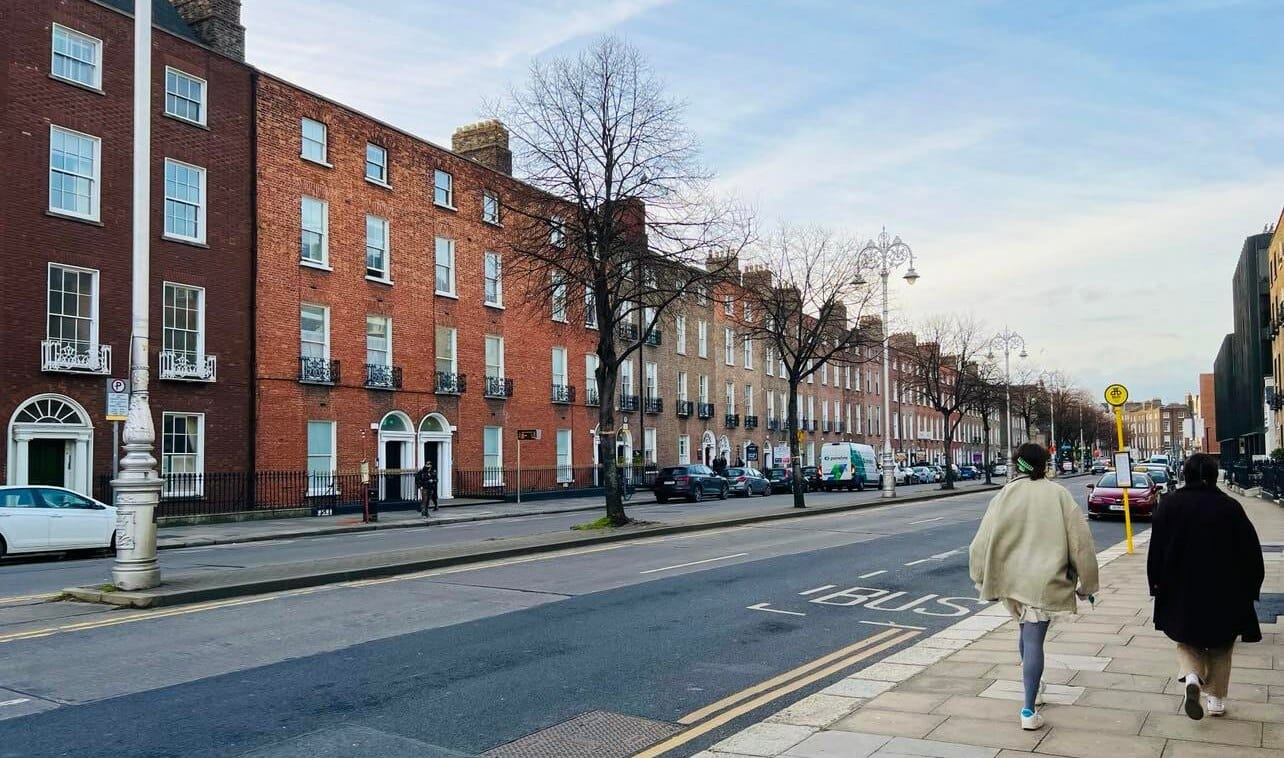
(1030, 644)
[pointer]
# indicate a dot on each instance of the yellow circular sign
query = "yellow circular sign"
(1116, 394)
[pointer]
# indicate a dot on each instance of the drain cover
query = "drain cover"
(596, 734)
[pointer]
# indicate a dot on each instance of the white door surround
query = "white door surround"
(52, 416)
(435, 428)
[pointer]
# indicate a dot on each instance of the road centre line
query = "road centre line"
(921, 560)
(927, 520)
(694, 563)
(872, 573)
(15, 701)
(763, 607)
(736, 712)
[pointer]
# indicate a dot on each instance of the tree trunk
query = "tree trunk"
(795, 456)
(985, 462)
(607, 442)
(948, 484)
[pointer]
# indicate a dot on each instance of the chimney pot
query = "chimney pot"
(485, 142)
(217, 23)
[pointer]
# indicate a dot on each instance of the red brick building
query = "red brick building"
(386, 331)
(66, 101)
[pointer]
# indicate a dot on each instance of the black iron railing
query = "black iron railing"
(653, 404)
(563, 394)
(499, 387)
(704, 410)
(382, 377)
(627, 331)
(685, 408)
(628, 402)
(731, 420)
(773, 424)
(451, 384)
(653, 337)
(591, 397)
(751, 422)
(318, 370)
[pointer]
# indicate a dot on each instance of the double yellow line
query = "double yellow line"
(728, 709)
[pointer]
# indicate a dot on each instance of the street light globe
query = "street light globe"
(911, 276)
(1023, 354)
(859, 281)
(989, 356)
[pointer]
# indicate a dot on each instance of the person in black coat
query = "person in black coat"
(1205, 571)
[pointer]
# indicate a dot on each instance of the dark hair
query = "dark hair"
(1200, 470)
(1031, 460)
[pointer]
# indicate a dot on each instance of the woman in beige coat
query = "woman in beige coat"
(1033, 552)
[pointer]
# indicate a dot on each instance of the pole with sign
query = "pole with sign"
(523, 434)
(1117, 395)
(117, 411)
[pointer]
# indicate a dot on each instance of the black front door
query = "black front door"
(430, 456)
(47, 460)
(392, 462)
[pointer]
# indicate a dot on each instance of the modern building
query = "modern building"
(66, 125)
(1244, 361)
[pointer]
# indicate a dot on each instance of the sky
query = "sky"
(1083, 173)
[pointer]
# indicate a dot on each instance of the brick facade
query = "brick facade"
(32, 236)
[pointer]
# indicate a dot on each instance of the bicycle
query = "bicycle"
(626, 488)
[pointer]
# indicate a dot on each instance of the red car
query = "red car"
(1105, 498)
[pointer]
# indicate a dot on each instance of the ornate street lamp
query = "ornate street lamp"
(1007, 341)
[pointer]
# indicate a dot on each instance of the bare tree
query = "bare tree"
(987, 402)
(807, 307)
(619, 221)
(944, 373)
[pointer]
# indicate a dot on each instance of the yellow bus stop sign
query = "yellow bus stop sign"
(1116, 394)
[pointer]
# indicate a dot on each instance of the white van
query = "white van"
(847, 465)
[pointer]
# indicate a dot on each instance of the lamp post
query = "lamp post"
(1007, 341)
(137, 488)
(1050, 377)
(887, 253)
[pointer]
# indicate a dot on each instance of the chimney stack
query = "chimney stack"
(217, 23)
(485, 142)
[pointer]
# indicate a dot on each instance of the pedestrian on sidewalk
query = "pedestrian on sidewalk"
(1205, 571)
(1034, 553)
(426, 481)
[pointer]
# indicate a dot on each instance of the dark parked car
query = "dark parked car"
(693, 482)
(781, 479)
(969, 472)
(811, 475)
(1106, 497)
(748, 481)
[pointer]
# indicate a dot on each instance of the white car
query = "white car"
(1000, 469)
(38, 519)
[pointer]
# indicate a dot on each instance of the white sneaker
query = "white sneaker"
(1191, 704)
(1216, 706)
(1031, 720)
(1039, 699)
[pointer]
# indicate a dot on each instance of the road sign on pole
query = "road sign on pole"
(117, 400)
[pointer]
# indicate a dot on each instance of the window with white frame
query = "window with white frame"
(651, 375)
(704, 388)
(443, 188)
(183, 324)
(811, 369)
(769, 362)
(314, 140)
(378, 262)
(648, 445)
(729, 395)
(684, 449)
(447, 350)
(74, 170)
(376, 163)
(811, 407)
(378, 341)
(680, 327)
(590, 308)
(77, 57)
(321, 459)
(492, 456)
(560, 379)
(494, 357)
(73, 311)
(626, 377)
(838, 416)
(682, 386)
(702, 338)
(648, 320)
(824, 412)
(728, 307)
(182, 453)
(557, 232)
(781, 366)
(184, 96)
(771, 404)
(558, 304)
(565, 473)
(314, 331)
(445, 260)
(490, 206)
(314, 242)
(590, 377)
(729, 346)
(748, 351)
(749, 400)
(748, 313)
(847, 377)
(494, 280)
(824, 373)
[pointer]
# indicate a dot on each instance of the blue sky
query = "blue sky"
(1084, 172)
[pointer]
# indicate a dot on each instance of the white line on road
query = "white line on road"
(872, 573)
(927, 520)
(15, 701)
(821, 588)
(921, 560)
(763, 607)
(694, 563)
(895, 626)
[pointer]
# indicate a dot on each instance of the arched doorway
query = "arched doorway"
(707, 446)
(436, 447)
(724, 449)
(396, 457)
(624, 449)
(51, 441)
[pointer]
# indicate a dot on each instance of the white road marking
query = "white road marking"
(921, 560)
(927, 520)
(763, 607)
(15, 701)
(896, 626)
(819, 589)
(872, 573)
(694, 563)
(947, 554)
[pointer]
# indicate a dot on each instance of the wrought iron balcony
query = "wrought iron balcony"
(840, 427)
(628, 402)
(450, 383)
(318, 370)
(75, 357)
(591, 397)
(187, 367)
(499, 387)
(653, 337)
(627, 331)
(704, 410)
(563, 394)
(824, 426)
(685, 408)
(731, 420)
(383, 377)
(773, 424)
(751, 422)
(653, 404)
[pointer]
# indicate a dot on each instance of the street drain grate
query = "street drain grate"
(596, 734)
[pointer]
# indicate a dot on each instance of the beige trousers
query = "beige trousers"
(1211, 665)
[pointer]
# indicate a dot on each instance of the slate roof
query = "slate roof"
(163, 15)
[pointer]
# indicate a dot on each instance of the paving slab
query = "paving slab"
(1011, 689)
(910, 702)
(1145, 668)
(818, 710)
(948, 684)
(1076, 743)
(1050, 675)
(1131, 701)
(857, 687)
(764, 739)
(1089, 718)
(1179, 749)
(996, 734)
(834, 744)
(1253, 693)
(937, 749)
(955, 668)
(977, 707)
(1221, 731)
(893, 723)
(1273, 735)
(890, 672)
(1116, 681)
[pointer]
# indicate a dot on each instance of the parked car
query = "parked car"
(923, 475)
(39, 519)
(781, 479)
(1105, 498)
(811, 475)
(692, 482)
(969, 472)
(1000, 469)
(938, 473)
(747, 481)
(1159, 473)
(1099, 467)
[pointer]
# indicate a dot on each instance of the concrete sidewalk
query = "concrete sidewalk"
(1112, 690)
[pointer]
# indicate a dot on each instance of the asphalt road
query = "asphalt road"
(460, 661)
(24, 575)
